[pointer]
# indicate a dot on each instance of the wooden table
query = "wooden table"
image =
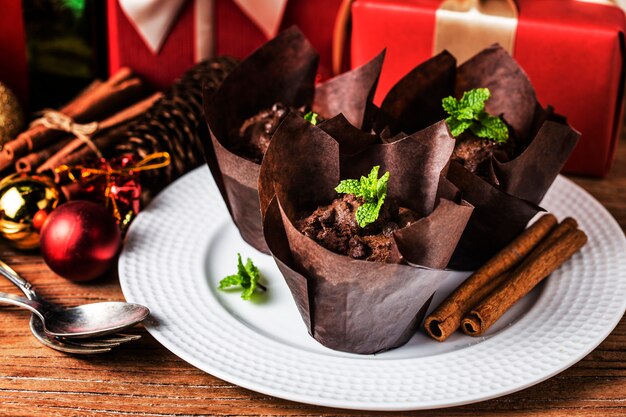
(143, 378)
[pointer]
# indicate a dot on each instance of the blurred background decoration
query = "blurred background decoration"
(572, 50)
(66, 48)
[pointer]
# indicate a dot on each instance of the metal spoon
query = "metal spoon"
(88, 320)
(83, 346)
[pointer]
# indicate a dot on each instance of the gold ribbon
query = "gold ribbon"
(55, 120)
(153, 161)
(465, 27)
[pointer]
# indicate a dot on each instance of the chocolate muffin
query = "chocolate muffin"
(335, 227)
(361, 268)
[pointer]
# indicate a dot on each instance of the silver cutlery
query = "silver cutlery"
(87, 320)
(74, 346)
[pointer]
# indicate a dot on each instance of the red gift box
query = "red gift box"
(14, 70)
(225, 28)
(573, 52)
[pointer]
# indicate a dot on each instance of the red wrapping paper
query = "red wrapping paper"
(127, 48)
(235, 35)
(14, 70)
(573, 52)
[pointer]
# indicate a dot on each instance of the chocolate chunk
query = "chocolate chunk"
(357, 248)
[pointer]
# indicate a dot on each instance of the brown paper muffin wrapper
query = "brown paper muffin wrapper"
(414, 102)
(530, 175)
(283, 70)
(497, 219)
(347, 304)
(544, 143)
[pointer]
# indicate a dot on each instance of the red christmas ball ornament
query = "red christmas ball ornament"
(80, 240)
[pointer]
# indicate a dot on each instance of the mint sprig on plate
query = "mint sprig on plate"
(247, 277)
(469, 113)
(372, 189)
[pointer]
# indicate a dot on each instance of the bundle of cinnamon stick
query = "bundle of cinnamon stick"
(106, 106)
(506, 278)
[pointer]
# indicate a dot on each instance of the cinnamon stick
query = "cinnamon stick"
(76, 150)
(130, 112)
(446, 318)
(69, 107)
(94, 103)
(547, 257)
(32, 161)
(103, 142)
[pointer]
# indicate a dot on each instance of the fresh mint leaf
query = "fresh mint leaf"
(381, 187)
(475, 100)
(311, 117)
(247, 278)
(458, 126)
(373, 175)
(450, 105)
(349, 187)
(372, 189)
(230, 281)
(241, 269)
(491, 127)
(469, 113)
(367, 213)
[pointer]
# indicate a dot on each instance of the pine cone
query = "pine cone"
(174, 124)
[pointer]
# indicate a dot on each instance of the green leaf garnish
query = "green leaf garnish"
(469, 113)
(311, 117)
(372, 189)
(247, 277)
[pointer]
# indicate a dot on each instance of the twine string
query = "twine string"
(55, 120)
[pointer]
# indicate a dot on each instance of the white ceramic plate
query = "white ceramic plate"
(179, 248)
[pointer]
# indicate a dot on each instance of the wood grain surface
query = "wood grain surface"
(144, 379)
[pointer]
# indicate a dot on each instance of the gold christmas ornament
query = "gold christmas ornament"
(11, 117)
(25, 202)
